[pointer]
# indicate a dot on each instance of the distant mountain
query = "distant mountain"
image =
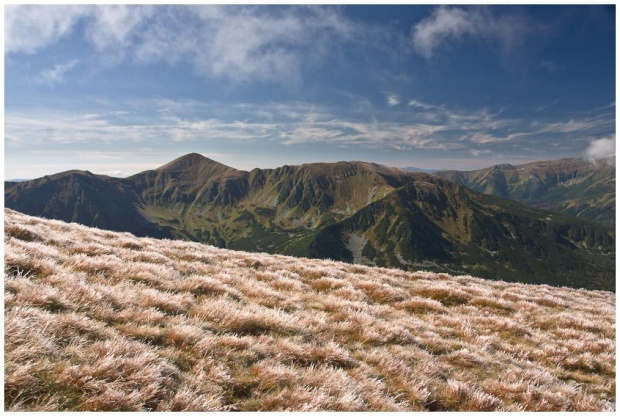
(572, 186)
(353, 211)
(414, 169)
(82, 197)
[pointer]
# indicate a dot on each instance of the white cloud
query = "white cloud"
(601, 150)
(571, 126)
(420, 104)
(48, 127)
(448, 24)
(478, 152)
(32, 27)
(113, 26)
(114, 29)
(246, 43)
(116, 173)
(57, 73)
(296, 123)
(443, 24)
(483, 127)
(393, 100)
(544, 107)
(29, 28)
(235, 43)
(167, 124)
(482, 137)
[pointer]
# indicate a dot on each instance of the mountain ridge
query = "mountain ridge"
(353, 211)
(570, 185)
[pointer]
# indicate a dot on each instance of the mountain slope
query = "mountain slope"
(572, 186)
(103, 321)
(82, 197)
(440, 226)
(352, 211)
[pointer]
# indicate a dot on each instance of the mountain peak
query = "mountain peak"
(194, 156)
(503, 166)
(194, 168)
(195, 162)
(188, 160)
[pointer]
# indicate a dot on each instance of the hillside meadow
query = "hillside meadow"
(98, 320)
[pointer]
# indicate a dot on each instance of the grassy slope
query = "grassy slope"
(97, 320)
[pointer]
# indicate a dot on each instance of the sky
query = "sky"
(121, 89)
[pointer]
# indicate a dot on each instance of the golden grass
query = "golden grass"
(96, 320)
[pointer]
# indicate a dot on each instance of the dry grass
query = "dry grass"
(96, 320)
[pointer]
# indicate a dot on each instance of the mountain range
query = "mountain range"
(352, 211)
(414, 169)
(572, 186)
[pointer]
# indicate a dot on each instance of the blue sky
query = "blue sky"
(121, 89)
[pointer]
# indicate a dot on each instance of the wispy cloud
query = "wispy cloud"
(66, 128)
(478, 152)
(451, 24)
(369, 134)
(425, 126)
(116, 27)
(420, 104)
(545, 107)
(519, 129)
(235, 43)
(29, 28)
(57, 73)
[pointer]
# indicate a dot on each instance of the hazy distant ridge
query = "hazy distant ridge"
(572, 186)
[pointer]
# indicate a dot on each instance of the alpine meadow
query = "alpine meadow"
(309, 208)
(97, 320)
